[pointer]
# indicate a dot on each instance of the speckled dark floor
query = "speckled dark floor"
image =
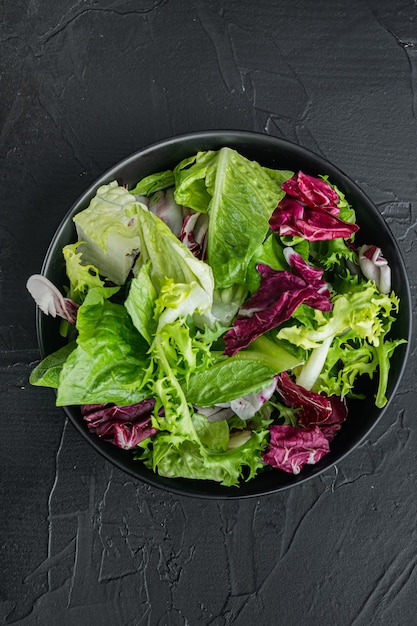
(84, 84)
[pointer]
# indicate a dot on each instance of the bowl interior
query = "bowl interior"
(274, 153)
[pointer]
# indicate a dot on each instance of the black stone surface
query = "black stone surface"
(83, 85)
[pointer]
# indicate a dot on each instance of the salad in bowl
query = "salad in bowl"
(219, 317)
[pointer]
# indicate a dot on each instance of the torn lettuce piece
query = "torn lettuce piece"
(213, 435)
(109, 364)
(154, 182)
(108, 230)
(227, 380)
(123, 426)
(140, 302)
(270, 253)
(278, 296)
(185, 458)
(48, 371)
(240, 197)
(245, 373)
(169, 259)
(290, 447)
(83, 277)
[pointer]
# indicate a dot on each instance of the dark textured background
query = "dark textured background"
(84, 84)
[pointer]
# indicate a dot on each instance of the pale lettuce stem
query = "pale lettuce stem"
(383, 359)
(268, 352)
(315, 362)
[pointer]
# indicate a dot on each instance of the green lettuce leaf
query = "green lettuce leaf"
(270, 253)
(366, 311)
(48, 371)
(83, 277)
(213, 435)
(246, 372)
(154, 182)
(107, 229)
(110, 361)
(188, 459)
(170, 259)
(190, 181)
(240, 196)
(227, 380)
(140, 303)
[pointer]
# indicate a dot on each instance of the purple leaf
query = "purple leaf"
(310, 210)
(319, 419)
(292, 218)
(313, 192)
(314, 409)
(280, 293)
(124, 426)
(291, 448)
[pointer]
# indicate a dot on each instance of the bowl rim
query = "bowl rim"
(173, 485)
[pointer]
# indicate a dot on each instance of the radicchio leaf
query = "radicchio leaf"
(280, 293)
(291, 448)
(313, 192)
(124, 426)
(309, 210)
(319, 419)
(292, 218)
(314, 409)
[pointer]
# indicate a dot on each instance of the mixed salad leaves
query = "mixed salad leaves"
(218, 316)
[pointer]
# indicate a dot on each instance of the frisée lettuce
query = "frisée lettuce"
(218, 318)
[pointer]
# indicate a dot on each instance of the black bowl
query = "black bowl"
(274, 153)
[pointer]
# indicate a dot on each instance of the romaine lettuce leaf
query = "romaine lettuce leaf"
(227, 380)
(244, 373)
(270, 252)
(170, 259)
(190, 181)
(140, 302)
(240, 197)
